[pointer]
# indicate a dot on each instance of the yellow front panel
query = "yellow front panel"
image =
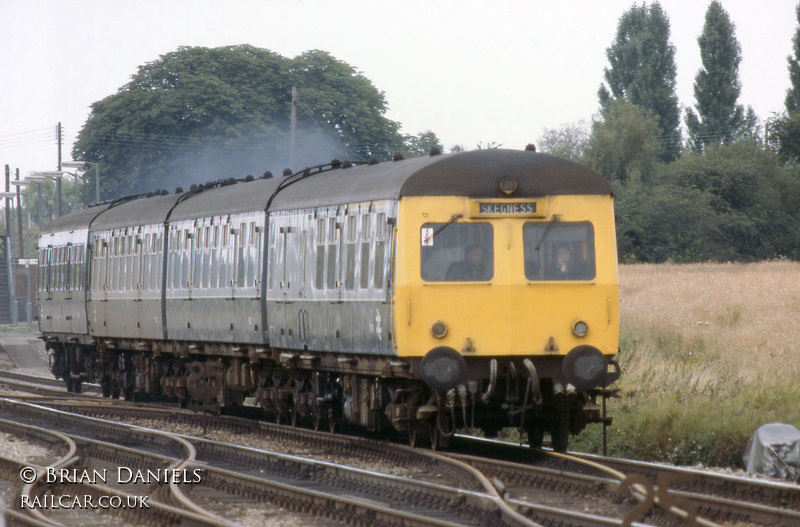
(507, 314)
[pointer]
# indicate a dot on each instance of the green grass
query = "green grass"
(709, 354)
(690, 428)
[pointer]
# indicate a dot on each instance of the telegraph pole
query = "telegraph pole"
(58, 179)
(19, 221)
(293, 139)
(8, 205)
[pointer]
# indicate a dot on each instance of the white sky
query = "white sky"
(470, 71)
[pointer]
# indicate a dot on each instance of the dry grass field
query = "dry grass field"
(709, 353)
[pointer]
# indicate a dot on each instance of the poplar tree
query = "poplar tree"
(793, 93)
(784, 132)
(642, 72)
(718, 120)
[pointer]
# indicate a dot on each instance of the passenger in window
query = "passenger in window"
(566, 267)
(471, 269)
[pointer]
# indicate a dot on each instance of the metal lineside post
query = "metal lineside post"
(28, 305)
(19, 221)
(292, 138)
(40, 205)
(58, 180)
(96, 183)
(8, 204)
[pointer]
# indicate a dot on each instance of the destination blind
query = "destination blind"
(508, 208)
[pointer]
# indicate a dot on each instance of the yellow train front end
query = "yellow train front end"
(511, 304)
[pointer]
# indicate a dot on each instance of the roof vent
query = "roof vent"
(178, 190)
(287, 172)
(266, 175)
(530, 147)
(248, 178)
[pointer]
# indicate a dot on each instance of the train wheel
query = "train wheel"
(536, 435)
(331, 421)
(559, 434)
(319, 413)
(491, 432)
(416, 434)
(317, 420)
(439, 439)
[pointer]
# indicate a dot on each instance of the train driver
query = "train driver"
(472, 268)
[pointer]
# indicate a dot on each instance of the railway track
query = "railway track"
(223, 472)
(354, 480)
(39, 385)
(721, 498)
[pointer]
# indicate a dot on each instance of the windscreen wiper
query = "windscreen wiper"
(550, 224)
(452, 220)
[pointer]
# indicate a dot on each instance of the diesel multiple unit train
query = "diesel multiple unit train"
(471, 289)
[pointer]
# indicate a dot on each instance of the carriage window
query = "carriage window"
(457, 252)
(380, 249)
(559, 251)
(333, 255)
(365, 247)
(319, 279)
(350, 267)
(365, 227)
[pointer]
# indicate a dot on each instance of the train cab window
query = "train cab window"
(559, 251)
(457, 252)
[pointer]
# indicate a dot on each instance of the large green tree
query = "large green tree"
(642, 71)
(623, 145)
(719, 119)
(421, 144)
(346, 104)
(569, 141)
(200, 114)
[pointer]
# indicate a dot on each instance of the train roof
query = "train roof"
(136, 211)
(79, 219)
(475, 174)
(241, 197)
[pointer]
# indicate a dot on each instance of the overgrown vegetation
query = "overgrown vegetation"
(708, 355)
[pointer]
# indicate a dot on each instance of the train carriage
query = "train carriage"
(420, 295)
